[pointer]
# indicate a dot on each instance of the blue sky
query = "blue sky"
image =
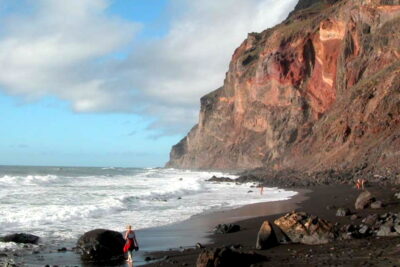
(113, 82)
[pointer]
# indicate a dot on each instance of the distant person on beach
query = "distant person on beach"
(360, 184)
(261, 189)
(131, 242)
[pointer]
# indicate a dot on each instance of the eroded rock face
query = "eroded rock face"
(319, 91)
(306, 229)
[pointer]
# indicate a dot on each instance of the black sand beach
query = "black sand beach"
(175, 244)
(321, 201)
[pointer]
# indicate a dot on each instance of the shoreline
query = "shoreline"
(175, 244)
(205, 223)
(322, 201)
(175, 236)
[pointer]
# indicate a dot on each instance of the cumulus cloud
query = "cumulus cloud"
(61, 49)
(54, 47)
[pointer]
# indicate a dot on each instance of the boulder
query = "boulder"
(342, 212)
(364, 200)
(307, 229)
(226, 228)
(386, 230)
(101, 245)
(354, 217)
(20, 238)
(227, 257)
(364, 230)
(397, 228)
(371, 219)
(221, 179)
(266, 237)
(376, 205)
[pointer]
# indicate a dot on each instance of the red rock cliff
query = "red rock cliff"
(319, 91)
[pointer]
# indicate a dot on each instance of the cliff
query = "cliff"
(319, 91)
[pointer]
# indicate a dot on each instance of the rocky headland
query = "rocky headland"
(318, 93)
(312, 102)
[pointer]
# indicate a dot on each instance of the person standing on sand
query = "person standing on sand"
(131, 242)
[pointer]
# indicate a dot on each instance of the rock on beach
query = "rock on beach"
(101, 245)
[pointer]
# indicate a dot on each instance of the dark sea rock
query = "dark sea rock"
(226, 228)
(101, 245)
(227, 257)
(301, 227)
(364, 200)
(21, 238)
(221, 179)
(199, 246)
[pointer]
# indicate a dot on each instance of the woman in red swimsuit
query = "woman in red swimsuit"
(131, 242)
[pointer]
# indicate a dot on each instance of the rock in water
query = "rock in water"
(20, 238)
(266, 236)
(307, 229)
(226, 228)
(226, 257)
(364, 200)
(101, 245)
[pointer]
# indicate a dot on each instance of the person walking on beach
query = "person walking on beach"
(360, 184)
(131, 242)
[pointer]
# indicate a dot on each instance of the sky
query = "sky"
(114, 82)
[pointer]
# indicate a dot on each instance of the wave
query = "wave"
(9, 180)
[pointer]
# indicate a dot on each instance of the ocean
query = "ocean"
(59, 204)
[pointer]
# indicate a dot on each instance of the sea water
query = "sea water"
(61, 203)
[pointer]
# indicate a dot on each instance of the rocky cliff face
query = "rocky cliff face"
(319, 91)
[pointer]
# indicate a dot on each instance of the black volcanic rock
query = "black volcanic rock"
(101, 245)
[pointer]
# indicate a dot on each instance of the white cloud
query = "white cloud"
(53, 50)
(56, 50)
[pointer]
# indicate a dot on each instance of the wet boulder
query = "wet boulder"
(101, 245)
(20, 238)
(221, 179)
(227, 257)
(364, 200)
(301, 227)
(226, 228)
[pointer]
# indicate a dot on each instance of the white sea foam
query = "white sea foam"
(67, 203)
